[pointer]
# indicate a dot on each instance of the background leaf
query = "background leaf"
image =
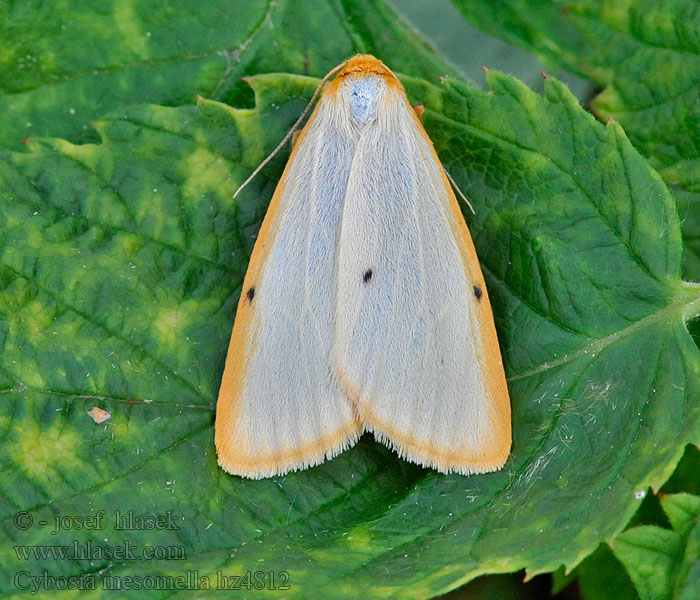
(689, 210)
(646, 54)
(66, 64)
(600, 577)
(470, 49)
(665, 563)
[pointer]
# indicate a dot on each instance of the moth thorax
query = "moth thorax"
(364, 94)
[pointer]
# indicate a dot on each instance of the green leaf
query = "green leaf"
(645, 53)
(600, 577)
(470, 49)
(689, 211)
(64, 64)
(681, 510)
(664, 563)
(120, 268)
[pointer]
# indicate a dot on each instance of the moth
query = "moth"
(364, 307)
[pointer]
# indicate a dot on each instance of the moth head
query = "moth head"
(363, 84)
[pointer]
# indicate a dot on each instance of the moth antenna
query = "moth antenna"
(292, 130)
(460, 192)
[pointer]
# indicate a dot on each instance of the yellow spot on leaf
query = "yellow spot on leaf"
(39, 449)
(167, 325)
(129, 26)
(206, 172)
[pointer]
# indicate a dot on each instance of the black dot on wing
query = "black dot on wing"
(367, 276)
(250, 294)
(477, 292)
